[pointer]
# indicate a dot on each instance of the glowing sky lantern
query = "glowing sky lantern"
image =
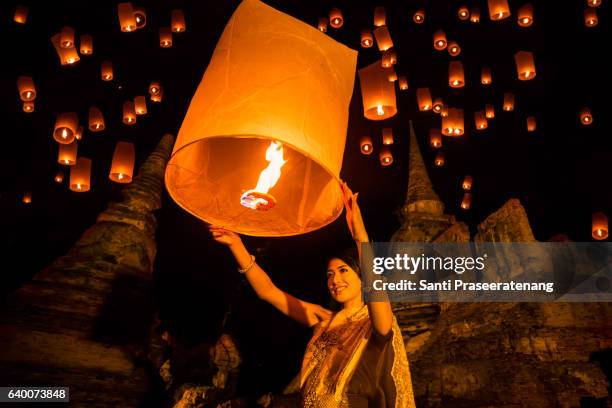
(489, 111)
(80, 175)
(594, 3)
(383, 38)
(269, 122)
(140, 105)
(466, 184)
(79, 133)
(66, 39)
(86, 44)
(127, 20)
(424, 99)
(385, 156)
(154, 87)
(444, 111)
(106, 71)
(26, 88)
(177, 20)
(387, 136)
(466, 202)
(335, 18)
(66, 125)
(28, 106)
(380, 16)
(485, 76)
(475, 15)
(439, 159)
(439, 40)
(59, 177)
(96, 120)
(140, 15)
(389, 58)
(435, 138)
(391, 74)
(508, 102)
(21, 14)
(498, 9)
(165, 37)
(586, 118)
(157, 97)
(456, 77)
(480, 120)
(366, 38)
(453, 48)
(453, 124)
(525, 65)
(525, 15)
(377, 93)
(27, 197)
(129, 113)
(463, 13)
(531, 124)
(403, 83)
(323, 24)
(67, 154)
(419, 16)
(122, 166)
(599, 226)
(590, 17)
(438, 104)
(365, 145)
(67, 56)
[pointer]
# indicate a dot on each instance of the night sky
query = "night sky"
(561, 173)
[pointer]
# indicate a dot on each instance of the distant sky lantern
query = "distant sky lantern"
(466, 202)
(323, 24)
(439, 40)
(157, 97)
(27, 197)
(456, 77)
(435, 138)
(154, 87)
(391, 74)
(140, 105)
(28, 106)
(140, 16)
(463, 13)
(424, 99)
(122, 166)
(480, 120)
(261, 154)
(96, 120)
(437, 105)
(67, 37)
(525, 15)
(419, 16)
(383, 38)
(365, 145)
(467, 183)
(489, 111)
(366, 38)
(129, 113)
(67, 154)
(590, 17)
(385, 156)
(508, 102)
(165, 37)
(79, 133)
(67, 56)
(66, 125)
(335, 18)
(586, 118)
(178, 21)
(475, 16)
(453, 124)
(453, 49)
(444, 111)
(439, 159)
(377, 93)
(498, 9)
(531, 124)
(21, 14)
(26, 88)
(59, 177)
(80, 175)
(594, 3)
(485, 76)
(127, 20)
(387, 136)
(525, 65)
(380, 16)
(599, 226)
(389, 57)
(86, 44)
(403, 83)
(106, 71)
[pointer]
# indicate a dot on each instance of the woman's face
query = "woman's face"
(343, 282)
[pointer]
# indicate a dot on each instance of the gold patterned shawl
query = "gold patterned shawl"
(332, 355)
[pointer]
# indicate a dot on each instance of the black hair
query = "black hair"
(350, 256)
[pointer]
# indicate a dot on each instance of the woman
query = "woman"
(356, 357)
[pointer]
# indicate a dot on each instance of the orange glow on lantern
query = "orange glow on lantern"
(485, 76)
(377, 93)
(86, 44)
(322, 24)
(140, 16)
(28, 106)
(439, 40)
(385, 156)
(480, 120)
(389, 58)
(59, 177)
(456, 77)
(453, 125)
(467, 183)
(383, 38)
(177, 21)
(67, 154)
(590, 17)
(435, 138)
(466, 202)
(489, 111)
(439, 159)
(154, 87)
(80, 175)
(106, 71)
(122, 166)
(438, 104)
(525, 15)
(463, 13)
(96, 120)
(599, 226)
(27, 197)
(475, 17)
(594, 3)
(259, 198)
(165, 37)
(424, 99)
(380, 16)
(366, 38)
(66, 125)
(531, 124)
(335, 18)
(444, 111)
(498, 9)
(586, 118)
(21, 14)
(158, 96)
(127, 20)
(453, 49)
(508, 102)
(419, 16)
(391, 74)
(66, 39)
(387, 136)
(26, 88)
(365, 145)
(129, 113)
(140, 105)
(67, 56)
(403, 83)
(525, 65)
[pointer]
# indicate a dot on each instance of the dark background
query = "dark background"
(561, 172)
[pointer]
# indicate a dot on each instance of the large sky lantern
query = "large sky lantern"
(383, 38)
(508, 102)
(480, 120)
(67, 154)
(165, 37)
(122, 166)
(485, 76)
(531, 124)
(456, 77)
(466, 202)
(435, 138)
(177, 21)
(323, 24)
(365, 145)
(586, 118)
(403, 83)
(106, 71)
(80, 175)
(67, 56)
(335, 18)
(66, 125)
(140, 15)
(475, 15)
(463, 12)
(385, 156)
(21, 14)
(489, 111)
(498, 9)
(28, 106)
(86, 44)
(525, 65)
(424, 99)
(157, 97)
(389, 58)
(140, 105)
(377, 93)
(366, 38)
(96, 120)
(127, 19)
(26, 88)
(466, 184)
(419, 16)
(66, 39)
(439, 40)
(380, 16)
(129, 113)
(387, 136)
(453, 124)
(453, 49)
(525, 15)
(599, 226)
(590, 17)
(391, 74)
(439, 159)
(438, 104)
(261, 154)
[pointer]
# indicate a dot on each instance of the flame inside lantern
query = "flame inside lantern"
(259, 198)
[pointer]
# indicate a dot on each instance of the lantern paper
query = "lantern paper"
(475, 16)
(26, 88)
(466, 202)
(452, 125)
(383, 38)
(67, 154)
(419, 16)
(531, 124)
(323, 24)
(80, 175)
(380, 16)
(127, 20)
(525, 15)
(467, 183)
(387, 136)
(140, 15)
(525, 65)
(424, 99)
(365, 145)
(21, 14)
(178, 21)
(435, 138)
(67, 56)
(463, 13)
(403, 83)
(439, 40)
(275, 62)
(590, 17)
(508, 102)
(66, 125)
(586, 118)
(599, 229)
(28, 106)
(335, 18)
(66, 39)
(165, 37)
(366, 38)
(122, 166)
(485, 77)
(439, 159)
(385, 156)
(86, 44)
(377, 93)
(498, 9)
(480, 120)
(129, 113)
(140, 105)
(106, 71)
(96, 120)
(456, 77)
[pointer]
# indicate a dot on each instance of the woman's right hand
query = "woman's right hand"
(224, 236)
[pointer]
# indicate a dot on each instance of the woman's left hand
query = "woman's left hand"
(353, 214)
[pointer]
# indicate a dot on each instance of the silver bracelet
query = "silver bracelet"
(249, 266)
